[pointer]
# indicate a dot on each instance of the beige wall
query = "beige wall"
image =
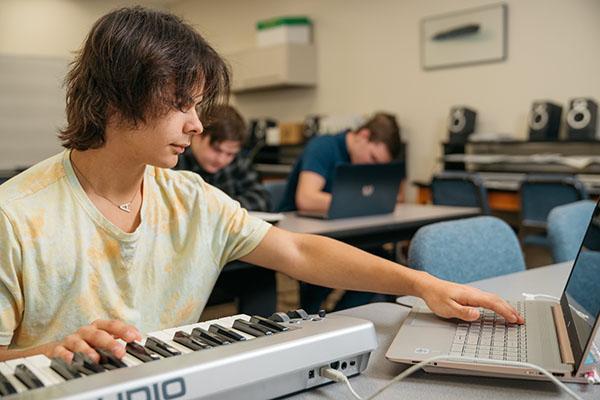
(52, 27)
(368, 59)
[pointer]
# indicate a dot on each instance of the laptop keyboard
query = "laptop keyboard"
(491, 337)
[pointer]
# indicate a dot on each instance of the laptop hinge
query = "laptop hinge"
(566, 354)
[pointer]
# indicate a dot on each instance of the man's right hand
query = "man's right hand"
(99, 334)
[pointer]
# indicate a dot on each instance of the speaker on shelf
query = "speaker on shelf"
(258, 131)
(544, 121)
(461, 123)
(582, 120)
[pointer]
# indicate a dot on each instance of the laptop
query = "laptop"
(360, 190)
(556, 336)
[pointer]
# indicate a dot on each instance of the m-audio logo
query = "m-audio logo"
(167, 390)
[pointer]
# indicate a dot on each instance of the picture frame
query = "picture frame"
(471, 36)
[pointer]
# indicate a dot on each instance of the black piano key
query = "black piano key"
(65, 370)
(6, 387)
(250, 328)
(185, 339)
(141, 353)
(298, 314)
(85, 365)
(223, 331)
(160, 347)
(268, 323)
(214, 339)
(109, 361)
(27, 377)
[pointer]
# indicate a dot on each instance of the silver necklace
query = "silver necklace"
(126, 207)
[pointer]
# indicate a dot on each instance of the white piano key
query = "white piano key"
(42, 363)
(42, 377)
(9, 372)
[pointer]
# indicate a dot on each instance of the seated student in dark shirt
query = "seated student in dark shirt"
(309, 185)
(215, 155)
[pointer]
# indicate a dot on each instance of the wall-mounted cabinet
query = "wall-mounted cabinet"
(276, 67)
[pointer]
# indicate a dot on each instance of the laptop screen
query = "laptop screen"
(581, 298)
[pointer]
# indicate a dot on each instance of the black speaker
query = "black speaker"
(582, 120)
(544, 121)
(461, 123)
(257, 128)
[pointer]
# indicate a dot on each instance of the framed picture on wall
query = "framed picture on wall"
(477, 35)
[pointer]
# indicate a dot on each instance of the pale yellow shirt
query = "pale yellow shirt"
(64, 265)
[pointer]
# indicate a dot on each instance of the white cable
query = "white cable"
(535, 296)
(338, 376)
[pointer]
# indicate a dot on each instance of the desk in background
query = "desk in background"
(388, 317)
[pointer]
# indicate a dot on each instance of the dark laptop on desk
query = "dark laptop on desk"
(362, 189)
(556, 336)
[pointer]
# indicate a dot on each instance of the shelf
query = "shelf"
(276, 67)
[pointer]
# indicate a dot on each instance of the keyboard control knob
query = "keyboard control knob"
(322, 313)
(279, 317)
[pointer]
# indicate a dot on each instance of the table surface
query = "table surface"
(405, 216)
(388, 317)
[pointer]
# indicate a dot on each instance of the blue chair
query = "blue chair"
(459, 189)
(276, 190)
(466, 250)
(539, 195)
(566, 228)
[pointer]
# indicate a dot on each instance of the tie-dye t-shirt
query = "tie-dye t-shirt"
(64, 265)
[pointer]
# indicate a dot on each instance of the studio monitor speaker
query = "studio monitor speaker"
(544, 121)
(461, 123)
(582, 120)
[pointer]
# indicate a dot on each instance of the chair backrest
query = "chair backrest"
(276, 190)
(459, 189)
(540, 194)
(566, 228)
(466, 250)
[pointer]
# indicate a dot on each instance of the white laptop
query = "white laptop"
(556, 336)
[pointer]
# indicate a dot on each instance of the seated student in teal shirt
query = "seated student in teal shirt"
(309, 184)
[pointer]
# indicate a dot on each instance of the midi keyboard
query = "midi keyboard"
(241, 356)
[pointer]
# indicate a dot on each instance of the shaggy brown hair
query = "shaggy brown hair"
(223, 122)
(384, 129)
(138, 64)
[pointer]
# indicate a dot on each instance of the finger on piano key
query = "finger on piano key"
(168, 336)
(84, 364)
(6, 386)
(109, 361)
(140, 352)
(41, 365)
(67, 371)
(158, 346)
(9, 372)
